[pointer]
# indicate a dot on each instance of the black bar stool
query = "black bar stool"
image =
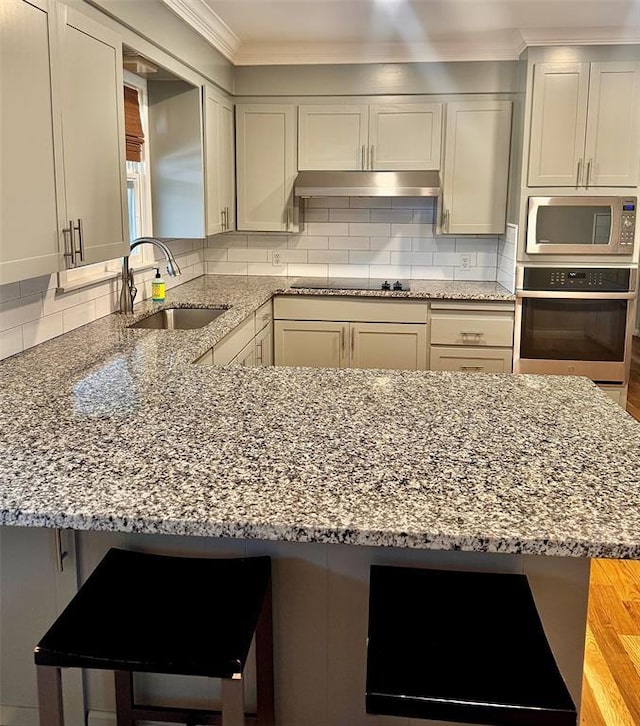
(147, 613)
(461, 646)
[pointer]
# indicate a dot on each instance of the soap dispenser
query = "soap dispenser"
(157, 287)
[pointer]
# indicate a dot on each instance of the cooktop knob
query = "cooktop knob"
(397, 285)
(385, 285)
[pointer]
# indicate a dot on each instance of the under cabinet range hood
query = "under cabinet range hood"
(367, 184)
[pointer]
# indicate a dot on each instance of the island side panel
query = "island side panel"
(320, 620)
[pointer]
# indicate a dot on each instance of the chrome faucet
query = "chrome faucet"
(128, 290)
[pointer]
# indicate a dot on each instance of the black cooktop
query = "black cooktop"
(350, 283)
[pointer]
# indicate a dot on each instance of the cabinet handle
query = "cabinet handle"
(344, 339)
(476, 336)
(578, 173)
(589, 164)
(371, 158)
(59, 552)
(445, 220)
(80, 250)
(353, 340)
(362, 164)
(226, 218)
(471, 368)
(222, 219)
(67, 235)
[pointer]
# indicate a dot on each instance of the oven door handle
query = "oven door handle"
(562, 295)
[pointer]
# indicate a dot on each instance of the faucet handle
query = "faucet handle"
(133, 290)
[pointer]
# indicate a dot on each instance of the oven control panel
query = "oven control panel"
(628, 222)
(587, 279)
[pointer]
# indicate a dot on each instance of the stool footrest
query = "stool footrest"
(463, 647)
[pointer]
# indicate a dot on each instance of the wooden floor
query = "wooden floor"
(611, 687)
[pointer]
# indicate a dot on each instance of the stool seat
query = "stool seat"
(147, 613)
(154, 613)
(461, 646)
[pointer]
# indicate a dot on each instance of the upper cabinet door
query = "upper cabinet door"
(405, 136)
(214, 209)
(266, 164)
(332, 137)
(558, 120)
(476, 167)
(93, 138)
(226, 142)
(29, 159)
(612, 145)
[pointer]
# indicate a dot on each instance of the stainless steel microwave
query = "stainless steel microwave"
(581, 225)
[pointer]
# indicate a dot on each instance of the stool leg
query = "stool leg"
(50, 695)
(233, 702)
(264, 663)
(124, 698)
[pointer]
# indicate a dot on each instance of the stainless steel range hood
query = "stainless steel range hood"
(367, 184)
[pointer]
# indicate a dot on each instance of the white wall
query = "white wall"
(33, 311)
(357, 237)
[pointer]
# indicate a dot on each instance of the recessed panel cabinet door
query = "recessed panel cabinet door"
(93, 138)
(310, 343)
(405, 136)
(612, 145)
(29, 160)
(476, 167)
(266, 164)
(214, 209)
(558, 118)
(387, 345)
(226, 142)
(332, 137)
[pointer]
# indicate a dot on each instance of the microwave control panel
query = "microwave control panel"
(586, 279)
(628, 222)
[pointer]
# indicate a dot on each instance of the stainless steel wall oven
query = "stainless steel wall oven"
(574, 320)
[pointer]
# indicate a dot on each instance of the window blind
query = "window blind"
(133, 124)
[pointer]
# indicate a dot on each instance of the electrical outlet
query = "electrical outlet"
(276, 258)
(465, 262)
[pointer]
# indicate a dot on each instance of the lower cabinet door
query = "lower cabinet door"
(36, 583)
(247, 356)
(311, 343)
(388, 345)
(471, 360)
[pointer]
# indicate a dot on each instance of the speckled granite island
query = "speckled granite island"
(114, 434)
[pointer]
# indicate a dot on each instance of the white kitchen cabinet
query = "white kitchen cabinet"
(377, 137)
(405, 136)
(472, 336)
(247, 356)
(317, 344)
(266, 167)
(219, 163)
(36, 586)
(29, 243)
(339, 332)
(585, 125)
(93, 140)
(475, 167)
(62, 141)
(398, 346)
(264, 346)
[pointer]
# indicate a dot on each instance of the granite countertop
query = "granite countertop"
(111, 428)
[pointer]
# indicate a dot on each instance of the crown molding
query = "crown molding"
(627, 35)
(208, 24)
(254, 54)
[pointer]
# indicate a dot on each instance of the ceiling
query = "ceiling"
(259, 32)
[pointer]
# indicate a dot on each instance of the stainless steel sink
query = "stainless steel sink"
(179, 318)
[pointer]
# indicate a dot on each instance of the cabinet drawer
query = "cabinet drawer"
(360, 310)
(471, 360)
(264, 316)
(468, 328)
(229, 347)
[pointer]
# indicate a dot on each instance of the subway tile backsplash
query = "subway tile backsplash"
(33, 311)
(358, 237)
